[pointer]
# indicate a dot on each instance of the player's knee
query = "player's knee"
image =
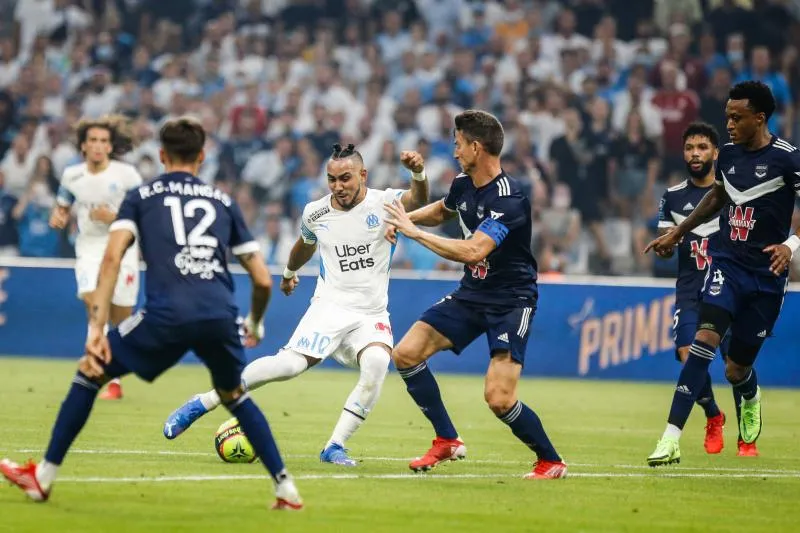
(229, 397)
(707, 336)
(374, 364)
(499, 399)
(404, 356)
(89, 369)
(739, 361)
(735, 373)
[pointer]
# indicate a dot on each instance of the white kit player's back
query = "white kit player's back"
(355, 257)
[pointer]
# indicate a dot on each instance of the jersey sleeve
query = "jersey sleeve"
(792, 174)
(64, 197)
(504, 215)
(307, 226)
(451, 200)
(128, 215)
(241, 240)
(664, 218)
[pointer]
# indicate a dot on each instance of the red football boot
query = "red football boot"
(442, 450)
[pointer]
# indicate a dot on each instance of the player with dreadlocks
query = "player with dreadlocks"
(95, 189)
(347, 318)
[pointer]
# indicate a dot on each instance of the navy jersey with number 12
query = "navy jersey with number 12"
(761, 185)
(678, 203)
(507, 277)
(185, 229)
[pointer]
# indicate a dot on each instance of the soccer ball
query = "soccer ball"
(231, 444)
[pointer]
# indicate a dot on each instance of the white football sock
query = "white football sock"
(285, 365)
(45, 474)
(374, 363)
(672, 431)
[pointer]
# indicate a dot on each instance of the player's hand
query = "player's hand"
(97, 347)
(391, 234)
(397, 217)
(413, 161)
(289, 285)
(253, 332)
(59, 218)
(663, 246)
(780, 256)
(102, 214)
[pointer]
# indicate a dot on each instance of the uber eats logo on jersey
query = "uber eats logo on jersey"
(352, 257)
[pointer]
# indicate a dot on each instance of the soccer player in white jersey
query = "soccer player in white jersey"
(347, 318)
(96, 188)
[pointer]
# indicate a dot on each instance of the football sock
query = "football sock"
(527, 427)
(422, 387)
(374, 365)
(737, 402)
(690, 382)
(71, 417)
(46, 473)
(285, 365)
(748, 387)
(706, 399)
(256, 428)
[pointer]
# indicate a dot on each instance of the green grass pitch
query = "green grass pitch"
(123, 476)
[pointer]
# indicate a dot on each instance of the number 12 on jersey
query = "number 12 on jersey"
(197, 236)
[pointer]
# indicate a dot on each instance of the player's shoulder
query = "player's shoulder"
(123, 168)
(676, 190)
(780, 146)
(381, 196)
(73, 172)
(317, 209)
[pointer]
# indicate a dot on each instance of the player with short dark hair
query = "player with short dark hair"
(757, 178)
(184, 228)
(497, 295)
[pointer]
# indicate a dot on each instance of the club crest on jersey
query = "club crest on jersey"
(373, 221)
(741, 221)
(761, 171)
(480, 211)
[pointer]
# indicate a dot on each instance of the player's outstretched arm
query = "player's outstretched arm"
(431, 215)
(468, 251)
(301, 253)
(253, 263)
(418, 194)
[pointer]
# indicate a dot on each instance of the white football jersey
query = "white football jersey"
(86, 191)
(354, 255)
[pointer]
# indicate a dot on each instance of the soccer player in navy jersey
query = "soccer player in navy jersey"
(757, 178)
(497, 295)
(700, 150)
(184, 228)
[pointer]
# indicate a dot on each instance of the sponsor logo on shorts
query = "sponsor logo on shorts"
(382, 326)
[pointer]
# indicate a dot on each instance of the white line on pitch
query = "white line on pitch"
(179, 453)
(430, 477)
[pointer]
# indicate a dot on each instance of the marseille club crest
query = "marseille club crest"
(372, 221)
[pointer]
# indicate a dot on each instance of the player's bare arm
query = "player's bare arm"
(468, 251)
(417, 195)
(253, 263)
(59, 217)
(119, 241)
(301, 253)
(712, 202)
(781, 254)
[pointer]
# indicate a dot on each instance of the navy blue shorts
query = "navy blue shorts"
(461, 322)
(753, 300)
(148, 347)
(684, 326)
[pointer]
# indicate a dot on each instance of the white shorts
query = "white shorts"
(127, 289)
(330, 330)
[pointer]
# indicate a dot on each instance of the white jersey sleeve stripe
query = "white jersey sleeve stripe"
(125, 224)
(245, 248)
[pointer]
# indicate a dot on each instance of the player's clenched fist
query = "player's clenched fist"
(413, 161)
(663, 246)
(288, 285)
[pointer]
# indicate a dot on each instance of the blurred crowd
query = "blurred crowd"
(593, 95)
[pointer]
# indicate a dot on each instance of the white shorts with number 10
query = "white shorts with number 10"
(330, 330)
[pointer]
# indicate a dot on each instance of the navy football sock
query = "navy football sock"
(706, 399)
(71, 417)
(422, 387)
(527, 427)
(256, 429)
(691, 381)
(748, 386)
(737, 401)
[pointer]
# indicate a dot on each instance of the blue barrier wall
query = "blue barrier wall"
(591, 329)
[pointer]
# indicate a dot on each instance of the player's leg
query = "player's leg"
(368, 349)
(123, 301)
(508, 334)
(37, 479)
(318, 334)
(117, 315)
(218, 345)
(684, 329)
(448, 324)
